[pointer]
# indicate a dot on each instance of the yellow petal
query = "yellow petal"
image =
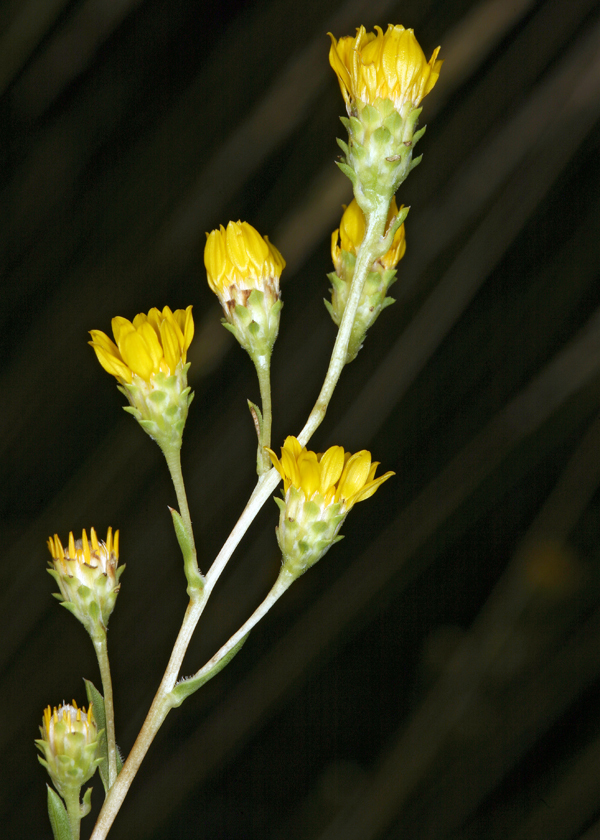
(170, 344)
(355, 474)
(121, 327)
(331, 464)
(136, 354)
(310, 476)
(111, 363)
(370, 488)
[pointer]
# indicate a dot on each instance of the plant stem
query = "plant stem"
(284, 580)
(101, 647)
(173, 459)
(370, 250)
(161, 706)
(263, 370)
(73, 811)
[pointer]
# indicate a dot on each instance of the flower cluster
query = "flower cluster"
(87, 573)
(243, 270)
(149, 361)
(318, 492)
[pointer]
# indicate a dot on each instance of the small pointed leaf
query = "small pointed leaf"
(59, 819)
(97, 700)
(189, 686)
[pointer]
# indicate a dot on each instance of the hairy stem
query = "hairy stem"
(101, 648)
(263, 370)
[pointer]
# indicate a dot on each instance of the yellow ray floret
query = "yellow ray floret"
(337, 476)
(380, 65)
(351, 233)
(154, 343)
(238, 255)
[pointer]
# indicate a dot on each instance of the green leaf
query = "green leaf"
(86, 805)
(189, 686)
(347, 170)
(59, 819)
(331, 311)
(186, 544)
(97, 700)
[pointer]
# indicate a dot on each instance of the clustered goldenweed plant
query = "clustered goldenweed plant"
(383, 77)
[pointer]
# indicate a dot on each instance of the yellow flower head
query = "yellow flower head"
(351, 233)
(336, 476)
(238, 260)
(154, 343)
(380, 65)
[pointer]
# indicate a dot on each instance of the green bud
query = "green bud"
(87, 575)
(69, 747)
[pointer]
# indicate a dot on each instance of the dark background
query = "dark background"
(438, 674)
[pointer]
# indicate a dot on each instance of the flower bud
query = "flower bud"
(345, 243)
(69, 746)
(243, 270)
(87, 574)
(318, 493)
(383, 78)
(149, 362)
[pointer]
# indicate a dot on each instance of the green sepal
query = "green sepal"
(184, 688)
(70, 606)
(393, 123)
(343, 146)
(276, 308)
(415, 162)
(358, 151)
(190, 566)
(59, 819)
(280, 503)
(157, 396)
(330, 309)
(256, 297)
(382, 136)
(347, 170)
(229, 327)
(387, 302)
(86, 804)
(353, 125)
(418, 134)
(97, 701)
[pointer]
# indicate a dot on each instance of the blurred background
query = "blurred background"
(437, 675)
